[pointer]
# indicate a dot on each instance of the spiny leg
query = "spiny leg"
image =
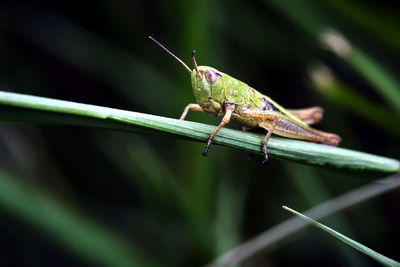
(194, 107)
(228, 112)
(267, 136)
(265, 119)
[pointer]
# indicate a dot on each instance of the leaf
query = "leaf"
(17, 108)
(360, 247)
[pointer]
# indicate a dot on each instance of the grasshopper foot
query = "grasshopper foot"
(207, 146)
(205, 150)
(265, 157)
(264, 150)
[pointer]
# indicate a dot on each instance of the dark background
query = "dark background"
(158, 194)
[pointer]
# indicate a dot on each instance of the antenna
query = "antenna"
(198, 74)
(178, 59)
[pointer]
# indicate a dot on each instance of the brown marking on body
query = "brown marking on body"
(267, 105)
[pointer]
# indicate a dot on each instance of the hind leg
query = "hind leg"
(310, 115)
(267, 120)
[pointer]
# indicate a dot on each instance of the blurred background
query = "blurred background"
(93, 197)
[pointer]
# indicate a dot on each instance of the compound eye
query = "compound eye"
(211, 76)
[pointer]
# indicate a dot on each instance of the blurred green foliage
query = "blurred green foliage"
(157, 197)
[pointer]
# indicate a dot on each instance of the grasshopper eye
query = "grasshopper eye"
(211, 76)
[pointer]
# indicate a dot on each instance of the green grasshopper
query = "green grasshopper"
(219, 94)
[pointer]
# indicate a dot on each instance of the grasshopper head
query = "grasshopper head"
(207, 86)
(206, 82)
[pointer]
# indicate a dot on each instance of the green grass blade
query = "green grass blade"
(382, 26)
(381, 79)
(32, 109)
(275, 235)
(305, 17)
(346, 97)
(80, 234)
(360, 247)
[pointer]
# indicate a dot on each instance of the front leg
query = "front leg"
(227, 117)
(194, 107)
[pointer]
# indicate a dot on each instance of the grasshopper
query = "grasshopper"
(219, 94)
